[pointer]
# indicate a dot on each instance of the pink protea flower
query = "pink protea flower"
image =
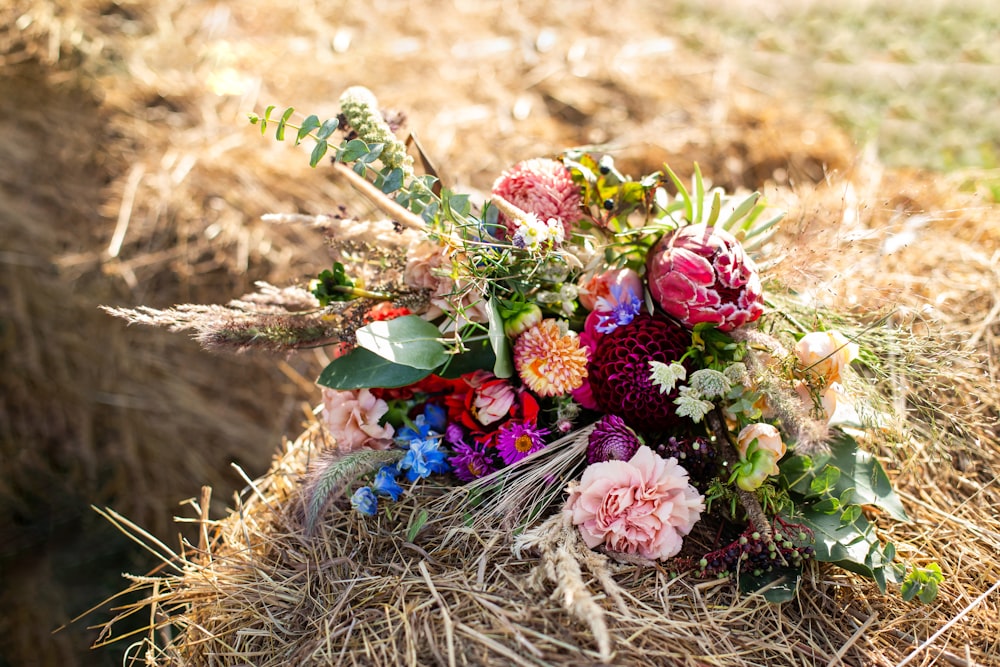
(611, 440)
(702, 274)
(352, 419)
(642, 506)
(619, 372)
(543, 187)
(549, 360)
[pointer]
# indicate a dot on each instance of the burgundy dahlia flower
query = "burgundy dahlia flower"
(619, 371)
(612, 440)
(702, 274)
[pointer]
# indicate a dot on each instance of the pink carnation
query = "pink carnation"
(642, 506)
(352, 419)
(543, 187)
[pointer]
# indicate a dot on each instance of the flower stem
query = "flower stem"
(749, 501)
(378, 198)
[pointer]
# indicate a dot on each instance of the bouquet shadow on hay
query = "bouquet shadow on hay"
(584, 358)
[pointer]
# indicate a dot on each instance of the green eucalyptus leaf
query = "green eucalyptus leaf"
(318, 151)
(479, 355)
(327, 129)
(280, 133)
(852, 545)
(781, 583)
(355, 149)
(393, 181)
(861, 470)
(409, 340)
(363, 369)
(308, 125)
(503, 367)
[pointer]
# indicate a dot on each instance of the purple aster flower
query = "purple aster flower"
(472, 461)
(617, 311)
(364, 501)
(612, 440)
(385, 483)
(518, 440)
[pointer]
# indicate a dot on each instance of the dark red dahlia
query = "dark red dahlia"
(611, 440)
(619, 371)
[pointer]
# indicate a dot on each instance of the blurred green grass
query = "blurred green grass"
(920, 80)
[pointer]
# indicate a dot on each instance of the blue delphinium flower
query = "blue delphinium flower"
(431, 422)
(423, 458)
(385, 482)
(364, 501)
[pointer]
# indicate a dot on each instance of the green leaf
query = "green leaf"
(354, 149)
(409, 340)
(308, 125)
(326, 129)
(782, 583)
(416, 524)
(861, 470)
(479, 355)
(318, 151)
(393, 181)
(740, 211)
(362, 369)
(504, 365)
(682, 193)
(280, 133)
(852, 545)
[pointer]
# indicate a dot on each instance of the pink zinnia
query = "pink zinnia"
(543, 187)
(642, 506)
(702, 274)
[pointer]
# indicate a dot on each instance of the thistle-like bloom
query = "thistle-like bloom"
(611, 440)
(360, 108)
(666, 376)
(643, 506)
(543, 187)
(518, 440)
(702, 274)
(365, 501)
(690, 404)
(385, 483)
(710, 383)
(549, 360)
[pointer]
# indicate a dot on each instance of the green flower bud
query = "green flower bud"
(519, 317)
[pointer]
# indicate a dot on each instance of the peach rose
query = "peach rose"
(352, 419)
(768, 440)
(824, 355)
(642, 506)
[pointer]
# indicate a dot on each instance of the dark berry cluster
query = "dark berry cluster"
(753, 553)
(696, 454)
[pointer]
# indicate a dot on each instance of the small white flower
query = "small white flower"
(710, 383)
(534, 235)
(665, 376)
(689, 405)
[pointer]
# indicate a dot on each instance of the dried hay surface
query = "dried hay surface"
(131, 179)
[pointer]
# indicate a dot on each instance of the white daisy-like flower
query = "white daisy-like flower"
(710, 383)
(666, 376)
(534, 235)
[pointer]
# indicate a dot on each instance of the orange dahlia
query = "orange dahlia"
(550, 361)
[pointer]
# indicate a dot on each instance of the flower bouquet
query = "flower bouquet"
(591, 363)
